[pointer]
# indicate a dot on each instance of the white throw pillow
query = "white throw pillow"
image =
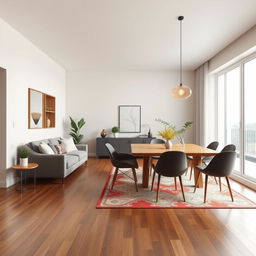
(45, 149)
(69, 144)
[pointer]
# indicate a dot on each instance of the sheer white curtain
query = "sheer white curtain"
(205, 107)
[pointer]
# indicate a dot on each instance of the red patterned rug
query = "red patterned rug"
(124, 195)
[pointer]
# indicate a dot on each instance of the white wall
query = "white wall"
(2, 123)
(96, 96)
(242, 46)
(27, 67)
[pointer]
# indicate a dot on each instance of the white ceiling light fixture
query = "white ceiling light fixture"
(181, 91)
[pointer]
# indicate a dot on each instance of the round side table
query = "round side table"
(21, 169)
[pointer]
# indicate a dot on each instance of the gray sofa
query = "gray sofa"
(56, 166)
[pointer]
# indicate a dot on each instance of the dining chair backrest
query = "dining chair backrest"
(112, 153)
(229, 147)
(222, 164)
(213, 145)
(157, 141)
(172, 164)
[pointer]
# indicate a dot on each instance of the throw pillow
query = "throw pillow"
(45, 149)
(63, 148)
(69, 144)
(53, 148)
(58, 149)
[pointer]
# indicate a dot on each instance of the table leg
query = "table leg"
(145, 174)
(34, 179)
(197, 161)
(21, 181)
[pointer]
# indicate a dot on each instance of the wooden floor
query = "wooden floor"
(58, 219)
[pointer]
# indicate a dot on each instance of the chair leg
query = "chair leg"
(220, 183)
(205, 188)
(181, 185)
(197, 181)
(114, 178)
(135, 179)
(175, 182)
(158, 185)
(153, 180)
(216, 180)
(229, 188)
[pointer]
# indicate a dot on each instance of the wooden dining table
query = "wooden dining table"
(148, 150)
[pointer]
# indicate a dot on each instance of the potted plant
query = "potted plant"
(168, 133)
(75, 130)
(179, 133)
(115, 131)
(23, 156)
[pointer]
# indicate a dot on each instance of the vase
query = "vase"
(24, 161)
(116, 134)
(168, 144)
(48, 122)
(103, 134)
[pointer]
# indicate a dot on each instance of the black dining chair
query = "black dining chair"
(170, 164)
(155, 141)
(221, 165)
(213, 145)
(122, 160)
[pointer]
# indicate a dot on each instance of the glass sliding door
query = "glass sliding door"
(250, 118)
(236, 114)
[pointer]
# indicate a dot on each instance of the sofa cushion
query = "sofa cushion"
(71, 160)
(35, 144)
(81, 154)
(55, 141)
(69, 144)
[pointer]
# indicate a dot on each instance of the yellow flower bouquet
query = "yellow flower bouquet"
(168, 133)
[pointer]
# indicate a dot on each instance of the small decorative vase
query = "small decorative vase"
(48, 122)
(149, 134)
(116, 134)
(24, 161)
(103, 134)
(168, 144)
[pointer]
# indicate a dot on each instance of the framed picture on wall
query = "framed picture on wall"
(129, 118)
(35, 109)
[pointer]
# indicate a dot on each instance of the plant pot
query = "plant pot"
(116, 134)
(24, 161)
(168, 144)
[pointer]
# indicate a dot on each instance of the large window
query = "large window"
(236, 118)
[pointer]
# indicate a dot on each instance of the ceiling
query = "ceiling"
(129, 34)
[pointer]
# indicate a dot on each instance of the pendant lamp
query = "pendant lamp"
(181, 91)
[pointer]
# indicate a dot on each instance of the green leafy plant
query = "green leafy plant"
(115, 129)
(180, 132)
(23, 152)
(75, 130)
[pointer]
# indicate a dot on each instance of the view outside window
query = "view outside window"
(233, 95)
(250, 118)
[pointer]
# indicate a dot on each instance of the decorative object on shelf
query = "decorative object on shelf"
(48, 122)
(149, 133)
(23, 156)
(36, 117)
(103, 133)
(168, 133)
(75, 130)
(180, 132)
(181, 91)
(130, 118)
(115, 131)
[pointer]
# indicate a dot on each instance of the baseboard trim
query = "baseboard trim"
(245, 182)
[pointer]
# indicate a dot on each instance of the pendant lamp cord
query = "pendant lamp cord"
(180, 52)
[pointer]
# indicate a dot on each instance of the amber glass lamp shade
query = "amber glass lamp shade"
(181, 92)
